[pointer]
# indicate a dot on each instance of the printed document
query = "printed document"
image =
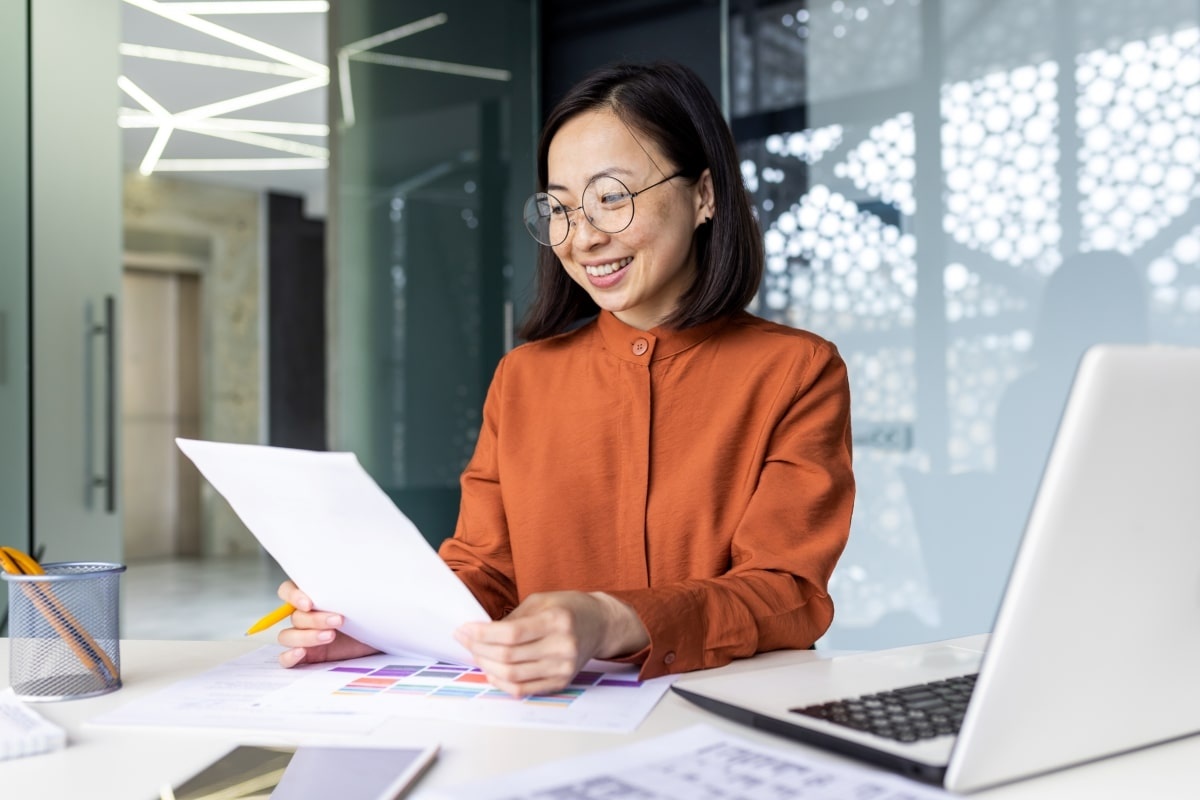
(344, 542)
(360, 696)
(696, 763)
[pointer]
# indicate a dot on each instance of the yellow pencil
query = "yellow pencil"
(282, 612)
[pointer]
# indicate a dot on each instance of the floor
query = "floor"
(212, 598)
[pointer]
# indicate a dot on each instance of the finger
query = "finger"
(554, 670)
(305, 637)
(317, 620)
(506, 632)
(528, 653)
(289, 592)
(525, 688)
(292, 657)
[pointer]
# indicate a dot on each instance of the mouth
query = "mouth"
(604, 270)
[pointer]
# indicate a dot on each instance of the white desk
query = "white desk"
(131, 764)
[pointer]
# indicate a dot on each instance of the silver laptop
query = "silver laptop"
(1096, 643)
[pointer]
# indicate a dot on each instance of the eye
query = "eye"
(614, 198)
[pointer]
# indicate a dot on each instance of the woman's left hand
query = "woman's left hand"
(548, 638)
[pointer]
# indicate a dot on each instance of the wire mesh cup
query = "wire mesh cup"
(64, 631)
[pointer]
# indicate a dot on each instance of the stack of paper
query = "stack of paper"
(24, 732)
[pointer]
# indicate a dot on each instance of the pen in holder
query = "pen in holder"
(64, 638)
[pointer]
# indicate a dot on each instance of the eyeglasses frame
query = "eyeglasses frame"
(571, 224)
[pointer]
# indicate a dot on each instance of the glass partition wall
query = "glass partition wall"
(963, 195)
(433, 125)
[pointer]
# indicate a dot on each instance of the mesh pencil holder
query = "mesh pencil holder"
(64, 637)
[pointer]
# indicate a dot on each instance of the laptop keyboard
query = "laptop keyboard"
(908, 714)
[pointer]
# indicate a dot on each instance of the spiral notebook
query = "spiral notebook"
(23, 731)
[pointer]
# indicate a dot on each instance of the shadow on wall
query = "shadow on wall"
(969, 524)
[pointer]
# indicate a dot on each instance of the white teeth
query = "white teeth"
(608, 269)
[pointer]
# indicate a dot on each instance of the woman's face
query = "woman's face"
(639, 273)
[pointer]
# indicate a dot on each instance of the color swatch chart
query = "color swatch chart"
(453, 681)
(603, 696)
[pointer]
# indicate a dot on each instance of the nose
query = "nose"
(586, 234)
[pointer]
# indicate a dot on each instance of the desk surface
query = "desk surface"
(132, 764)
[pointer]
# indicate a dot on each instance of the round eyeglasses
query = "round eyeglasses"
(607, 204)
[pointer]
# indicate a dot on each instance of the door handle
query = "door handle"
(107, 480)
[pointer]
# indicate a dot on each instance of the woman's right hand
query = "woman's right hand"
(314, 636)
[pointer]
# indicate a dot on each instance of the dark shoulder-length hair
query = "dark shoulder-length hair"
(669, 104)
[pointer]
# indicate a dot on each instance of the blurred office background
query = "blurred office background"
(298, 223)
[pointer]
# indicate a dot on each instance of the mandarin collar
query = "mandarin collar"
(642, 347)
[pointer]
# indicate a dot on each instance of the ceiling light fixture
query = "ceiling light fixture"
(169, 11)
(346, 51)
(204, 119)
(358, 51)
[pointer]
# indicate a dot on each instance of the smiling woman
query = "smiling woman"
(623, 502)
(636, 266)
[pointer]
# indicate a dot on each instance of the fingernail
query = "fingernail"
(333, 620)
(325, 636)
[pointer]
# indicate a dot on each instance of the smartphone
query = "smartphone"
(298, 773)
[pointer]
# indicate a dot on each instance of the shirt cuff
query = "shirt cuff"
(669, 614)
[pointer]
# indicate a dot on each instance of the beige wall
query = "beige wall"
(215, 231)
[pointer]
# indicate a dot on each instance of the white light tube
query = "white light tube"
(212, 60)
(151, 159)
(429, 65)
(347, 95)
(239, 164)
(255, 7)
(141, 97)
(258, 140)
(136, 118)
(392, 35)
(256, 98)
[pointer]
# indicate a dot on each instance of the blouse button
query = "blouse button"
(669, 658)
(640, 346)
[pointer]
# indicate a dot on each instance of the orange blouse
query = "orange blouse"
(701, 476)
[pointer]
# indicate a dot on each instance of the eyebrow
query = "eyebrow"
(592, 177)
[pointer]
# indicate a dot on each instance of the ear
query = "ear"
(706, 204)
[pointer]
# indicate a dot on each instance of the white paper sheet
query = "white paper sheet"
(228, 698)
(696, 763)
(344, 542)
(252, 693)
(604, 696)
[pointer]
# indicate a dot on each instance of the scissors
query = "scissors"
(90, 654)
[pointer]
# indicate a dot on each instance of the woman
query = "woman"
(670, 482)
